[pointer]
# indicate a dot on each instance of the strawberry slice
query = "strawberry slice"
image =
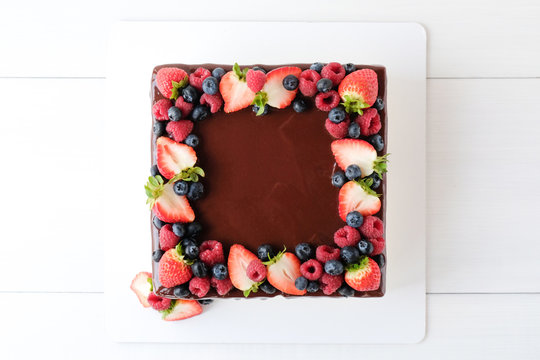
(174, 269)
(277, 95)
(359, 152)
(283, 270)
(141, 286)
(234, 90)
(358, 90)
(173, 157)
(164, 202)
(365, 276)
(239, 259)
(182, 309)
(358, 196)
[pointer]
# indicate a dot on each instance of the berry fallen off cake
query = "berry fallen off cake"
(291, 200)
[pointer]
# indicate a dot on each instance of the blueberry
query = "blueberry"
(354, 219)
(350, 255)
(377, 141)
(156, 255)
(160, 128)
(267, 288)
(339, 179)
(190, 95)
(333, 267)
(365, 247)
(313, 286)
(181, 187)
(191, 251)
(200, 112)
(316, 66)
(174, 113)
(264, 252)
(324, 85)
(379, 104)
(299, 105)
(255, 109)
(179, 229)
(157, 222)
(354, 130)
(337, 114)
(199, 269)
(290, 82)
(192, 140)
(258, 68)
(182, 291)
(187, 242)
(349, 68)
(219, 271)
(210, 85)
(205, 301)
(379, 259)
(376, 181)
(193, 229)
(218, 73)
(304, 251)
(301, 283)
(346, 290)
(196, 191)
(353, 172)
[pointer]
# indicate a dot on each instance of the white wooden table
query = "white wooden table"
(483, 175)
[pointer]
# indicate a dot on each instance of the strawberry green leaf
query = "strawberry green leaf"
(366, 183)
(197, 170)
(166, 312)
(177, 86)
(358, 266)
(153, 189)
(380, 165)
(260, 99)
(240, 73)
(253, 289)
(189, 174)
(151, 284)
(352, 105)
(275, 259)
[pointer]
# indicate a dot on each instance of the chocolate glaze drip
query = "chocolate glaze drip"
(267, 179)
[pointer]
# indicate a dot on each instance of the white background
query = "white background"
(483, 171)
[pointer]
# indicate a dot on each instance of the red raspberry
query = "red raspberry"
(256, 271)
(333, 71)
(199, 286)
(255, 80)
(338, 131)
(184, 107)
(197, 77)
(167, 239)
(215, 101)
(211, 253)
(346, 236)
(372, 227)
(370, 122)
(179, 130)
(330, 283)
(327, 101)
(308, 82)
(158, 303)
(378, 245)
(311, 269)
(160, 109)
(222, 286)
(325, 253)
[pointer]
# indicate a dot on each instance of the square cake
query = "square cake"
(268, 180)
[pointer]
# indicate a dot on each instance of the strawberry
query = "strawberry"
(169, 80)
(142, 287)
(359, 152)
(364, 276)
(359, 90)
(182, 309)
(173, 268)
(235, 91)
(173, 157)
(164, 202)
(283, 270)
(239, 259)
(358, 196)
(273, 93)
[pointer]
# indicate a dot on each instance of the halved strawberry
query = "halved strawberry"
(173, 157)
(359, 152)
(283, 270)
(358, 90)
(239, 259)
(169, 80)
(234, 90)
(141, 286)
(365, 276)
(358, 196)
(277, 95)
(164, 202)
(174, 269)
(182, 309)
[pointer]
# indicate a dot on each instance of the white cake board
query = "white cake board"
(135, 48)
